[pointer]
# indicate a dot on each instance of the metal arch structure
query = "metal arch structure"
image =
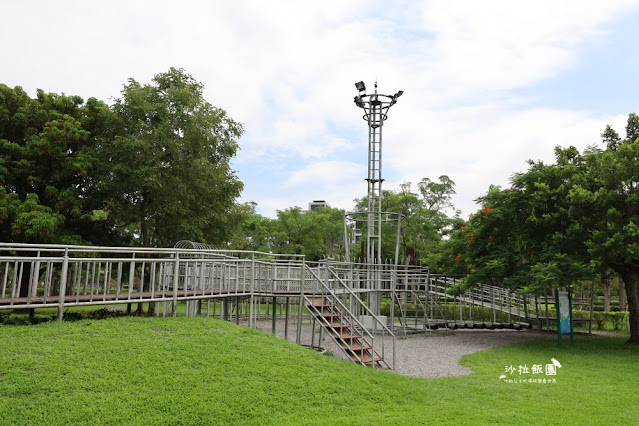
(376, 107)
(186, 244)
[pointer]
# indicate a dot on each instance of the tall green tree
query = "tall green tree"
(561, 222)
(255, 232)
(170, 177)
(49, 168)
(315, 233)
(424, 220)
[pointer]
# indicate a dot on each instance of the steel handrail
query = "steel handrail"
(358, 323)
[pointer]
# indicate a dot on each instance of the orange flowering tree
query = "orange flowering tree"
(560, 223)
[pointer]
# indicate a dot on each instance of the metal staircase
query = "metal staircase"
(373, 346)
(344, 331)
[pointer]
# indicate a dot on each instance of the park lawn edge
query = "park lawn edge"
(202, 370)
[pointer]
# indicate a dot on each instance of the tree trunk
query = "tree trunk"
(630, 277)
(622, 297)
(607, 284)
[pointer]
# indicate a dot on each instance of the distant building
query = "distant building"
(356, 235)
(317, 203)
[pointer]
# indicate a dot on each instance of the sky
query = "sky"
(487, 85)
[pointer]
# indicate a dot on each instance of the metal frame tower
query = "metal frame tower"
(375, 108)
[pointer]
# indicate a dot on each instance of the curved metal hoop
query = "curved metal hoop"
(194, 245)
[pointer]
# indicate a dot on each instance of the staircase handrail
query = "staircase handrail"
(366, 308)
(356, 320)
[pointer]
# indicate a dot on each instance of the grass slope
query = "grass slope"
(205, 371)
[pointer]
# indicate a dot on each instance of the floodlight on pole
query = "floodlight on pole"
(375, 108)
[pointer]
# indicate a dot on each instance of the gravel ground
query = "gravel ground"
(438, 354)
(435, 354)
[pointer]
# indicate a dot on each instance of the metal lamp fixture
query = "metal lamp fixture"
(375, 108)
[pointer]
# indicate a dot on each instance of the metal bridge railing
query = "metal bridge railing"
(38, 276)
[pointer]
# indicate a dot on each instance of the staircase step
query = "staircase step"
(338, 326)
(320, 306)
(356, 347)
(367, 359)
(344, 333)
(346, 336)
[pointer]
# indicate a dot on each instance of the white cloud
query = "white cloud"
(286, 70)
(327, 173)
(477, 148)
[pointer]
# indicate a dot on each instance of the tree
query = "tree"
(170, 177)
(314, 233)
(49, 168)
(417, 233)
(512, 241)
(561, 222)
(424, 220)
(607, 199)
(437, 196)
(317, 233)
(255, 232)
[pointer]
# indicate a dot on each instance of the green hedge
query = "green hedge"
(616, 320)
(601, 320)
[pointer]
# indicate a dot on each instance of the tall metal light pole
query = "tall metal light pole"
(375, 108)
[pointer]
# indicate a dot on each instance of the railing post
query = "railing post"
(274, 275)
(176, 281)
(63, 284)
(251, 309)
(509, 306)
(298, 334)
(35, 277)
(592, 292)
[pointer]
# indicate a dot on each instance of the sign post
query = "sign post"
(563, 303)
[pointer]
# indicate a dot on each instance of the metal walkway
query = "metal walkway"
(60, 277)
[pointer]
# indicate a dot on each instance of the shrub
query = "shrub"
(72, 316)
(101, 314)
(618, 320)
(599, 318)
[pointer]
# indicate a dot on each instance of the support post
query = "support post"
(592, 296)
(547, 312)
(251, 299)
(286, 313)
(273, 314)
(347, 249)
(63, 284)
(176, 281)
(394, 277)
(298, 333)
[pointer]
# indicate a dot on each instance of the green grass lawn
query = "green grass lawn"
(205, 371)
(78, 312)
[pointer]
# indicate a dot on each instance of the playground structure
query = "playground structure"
(375, 107)
(247, 287)
(239, 286)
(360, 306)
